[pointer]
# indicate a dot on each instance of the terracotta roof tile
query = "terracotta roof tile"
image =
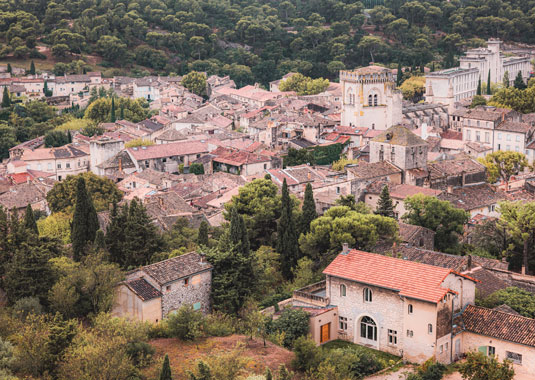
(410, 279)
(173, 269)
(500, 325)
(168, 150)
(143, 289)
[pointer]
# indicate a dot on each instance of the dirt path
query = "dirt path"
(396, 375)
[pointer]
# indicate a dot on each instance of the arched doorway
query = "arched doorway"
(367, 331)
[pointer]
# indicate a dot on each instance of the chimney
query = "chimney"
(395, 249)
(345, 249)
(202, 257)
(120, 164)
(503, 116)
(424, 131)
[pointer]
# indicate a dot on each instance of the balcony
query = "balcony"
(314, 294)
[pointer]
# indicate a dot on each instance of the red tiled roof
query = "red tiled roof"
(241, 158)
(500, 325)
(410, 279)
(167, 150)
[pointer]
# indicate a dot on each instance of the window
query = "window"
(186, 281)
(265, 166)
(441, 349)
(342, 290)
(375, 101)
(468, 135)
(146, 163)
(517, 138)
(499, 135)
(514, 357)
(430, 328)
(508, 148)
(164, 160)
(517, 149)
(392, 337)
(446, 346)
(368, 329)
(49, 166)
(168, 288)
(369, 100)
(39, 167)
(410, 308)
(68, 165)
(338, 190)
(478, 123)
(491, 351)
(478, 136)
(487, 137)
(410, 333)
(197, 306)
(508, 137)
(59, 165)
(368, 295)
(342, 322)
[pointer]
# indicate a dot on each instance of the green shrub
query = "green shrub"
(293, 323)
(140, 352)
(185, 324)
(158, 330)
(219, 324)
(353, 364)
(307, 355)
(25, 306)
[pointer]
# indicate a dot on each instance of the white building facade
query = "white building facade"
(370, 98)
(451, 85)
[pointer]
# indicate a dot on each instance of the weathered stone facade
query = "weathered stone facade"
(196, 292)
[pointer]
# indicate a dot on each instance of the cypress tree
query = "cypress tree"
(115, 234)
(165, 373)
(506, 79)
(32, 68)
(9, 69)
(122, 112)
(287, 244)
(29, 220)
(85, 222)
(309, 209)
(433, 67)
(69, 137)
(112, 117)
(519, 82)
(478, 92)
(202, 237)
(400, 75)
(488, 84)
(100, 241)
(6, 100)
(385, 207)
(238, 233)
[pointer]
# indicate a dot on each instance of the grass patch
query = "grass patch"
(334, 344)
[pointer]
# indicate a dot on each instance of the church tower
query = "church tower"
(370, 98)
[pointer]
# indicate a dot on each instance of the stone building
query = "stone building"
(153, 291)
(490, 60)
(102, 150)
(451, 85)
(370, 98)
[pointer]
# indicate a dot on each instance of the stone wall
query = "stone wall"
(197, 290)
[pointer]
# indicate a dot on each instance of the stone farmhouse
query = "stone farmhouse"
(153, 291)
(411, 309)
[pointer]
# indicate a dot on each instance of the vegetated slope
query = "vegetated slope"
(260, 40)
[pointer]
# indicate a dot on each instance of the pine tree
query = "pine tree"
(309, 209)
(519, 82)
(9, 69)
(6, 100)
(165, 373)
(385, 207)
(112, 117)
(488, 84)
(100, 240)
(202, 237)
(287, 244)
(400, 75)
(29, 220)
(32, 68)
(506, 79)
(478, 92)
(84, 222)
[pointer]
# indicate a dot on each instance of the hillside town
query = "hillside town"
(402, 226)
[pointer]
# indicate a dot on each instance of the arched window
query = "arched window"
(367, 295)
(430, 328)
(410, 309)
(375, 101)
(342, 290)
(368, 329)
(370, 100)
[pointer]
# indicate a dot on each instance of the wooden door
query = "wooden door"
(325, 333)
